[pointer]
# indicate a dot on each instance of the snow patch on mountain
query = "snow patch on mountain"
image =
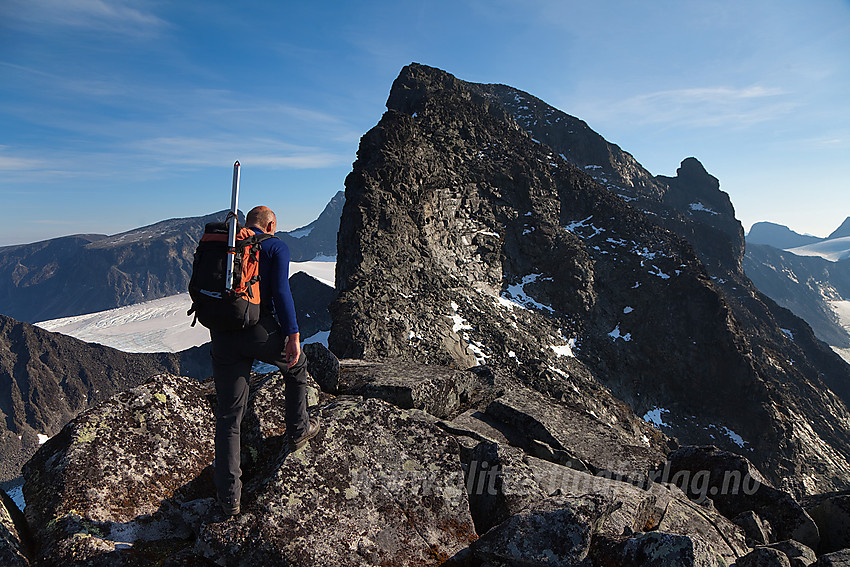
(160, 325)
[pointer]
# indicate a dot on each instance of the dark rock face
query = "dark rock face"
(831, 513)
(311, 298)
(317, 239)
(735, 486)
(14, 544)
(468, 237)
(49, 378)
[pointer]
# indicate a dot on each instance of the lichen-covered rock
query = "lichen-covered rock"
(659, 507)
(378, 485)
(831, 513)
(705, 524)
(764, 557)
(734, 485)
(503, 482)
(599, 446)
(655, 549)
(800, 555)
(555, 532)
(633, 509)
(109, 479)
(438, 390)
(13, 545)
(264, 423)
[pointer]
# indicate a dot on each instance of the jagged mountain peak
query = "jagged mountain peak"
(842, 231)
(468, 237)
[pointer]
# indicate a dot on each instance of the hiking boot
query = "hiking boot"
(312, 430)
(229, 507)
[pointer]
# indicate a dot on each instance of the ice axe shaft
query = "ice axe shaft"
(231, 228)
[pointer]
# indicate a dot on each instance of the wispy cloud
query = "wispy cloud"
(119, 17)
(269, 153)
(705, 106)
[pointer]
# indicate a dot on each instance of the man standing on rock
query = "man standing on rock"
(274, 340)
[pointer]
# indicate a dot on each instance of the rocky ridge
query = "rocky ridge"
(392, 479)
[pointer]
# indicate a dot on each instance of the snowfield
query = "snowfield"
(834, 249)
(160, 325)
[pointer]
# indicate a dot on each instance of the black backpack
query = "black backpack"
(215, 307)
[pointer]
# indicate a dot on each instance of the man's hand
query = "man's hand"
(293, 349)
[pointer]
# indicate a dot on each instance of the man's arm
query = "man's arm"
(283, 302)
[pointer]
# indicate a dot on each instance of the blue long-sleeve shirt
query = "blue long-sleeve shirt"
(274, 282)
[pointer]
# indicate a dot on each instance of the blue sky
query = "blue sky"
(115, 113)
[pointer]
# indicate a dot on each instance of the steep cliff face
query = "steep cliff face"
(466, 239)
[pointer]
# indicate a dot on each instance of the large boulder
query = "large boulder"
(378, 485)
(598, 446)
(798, 554)
(764, 557)
(831, 513)
(111, 479)
(554, 532)
(835, 559)
(735, 486)
(502, 482)
(655, 549)
(438, 390)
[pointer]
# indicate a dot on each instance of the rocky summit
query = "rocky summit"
(541, 355)
(482, 226)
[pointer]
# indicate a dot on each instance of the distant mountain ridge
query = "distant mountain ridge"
(317, 239)
(80, 274)
(778, 236)
(808, 275)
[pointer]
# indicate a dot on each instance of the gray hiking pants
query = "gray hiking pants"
(233, 354)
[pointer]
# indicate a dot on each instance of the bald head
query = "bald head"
(263, 218)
